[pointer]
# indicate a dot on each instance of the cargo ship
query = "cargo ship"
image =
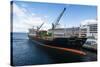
(72, 42)
(48, 38)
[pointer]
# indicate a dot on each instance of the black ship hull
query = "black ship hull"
(72, 42)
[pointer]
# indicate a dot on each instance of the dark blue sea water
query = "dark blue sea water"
(27, 52)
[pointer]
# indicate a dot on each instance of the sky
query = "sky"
(26, 15)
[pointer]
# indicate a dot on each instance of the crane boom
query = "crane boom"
(38, 28)
(59, 17)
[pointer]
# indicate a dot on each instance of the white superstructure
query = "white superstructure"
(88, 28)
(65, 32)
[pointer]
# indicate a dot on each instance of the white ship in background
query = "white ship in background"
(89, 30)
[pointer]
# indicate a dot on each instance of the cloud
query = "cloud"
(23, 19)
(89, 21)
